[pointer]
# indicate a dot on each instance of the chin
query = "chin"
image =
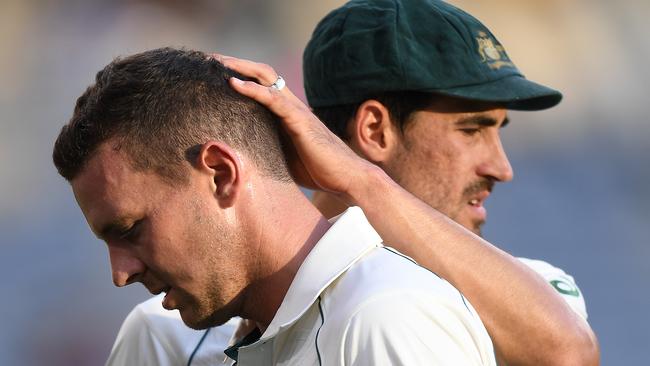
(476, 228)
(473, 226)
(198, 322)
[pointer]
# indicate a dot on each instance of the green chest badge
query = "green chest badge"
(565, 288)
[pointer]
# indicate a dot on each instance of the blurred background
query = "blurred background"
(580, 198)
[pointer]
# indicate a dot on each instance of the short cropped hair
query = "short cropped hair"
(400, 105)
(160, 106)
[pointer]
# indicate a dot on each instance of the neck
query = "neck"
(288, 234)
(328, 205)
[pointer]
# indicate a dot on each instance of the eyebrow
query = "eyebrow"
(481, 121)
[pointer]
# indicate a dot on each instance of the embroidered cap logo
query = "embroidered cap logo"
(491, 52)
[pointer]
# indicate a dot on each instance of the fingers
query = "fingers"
(294, 119)
(216, 56)
(263, 73)
(317, 158)
(283, 103)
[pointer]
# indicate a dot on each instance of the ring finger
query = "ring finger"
(264, 74)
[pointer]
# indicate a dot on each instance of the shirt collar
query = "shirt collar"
(347, 240)
(250, 338)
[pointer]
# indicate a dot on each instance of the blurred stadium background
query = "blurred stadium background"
(580, 199)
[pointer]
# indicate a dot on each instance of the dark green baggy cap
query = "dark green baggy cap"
(368, 47)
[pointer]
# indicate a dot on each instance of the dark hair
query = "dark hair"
(400, 105)
(160, 106)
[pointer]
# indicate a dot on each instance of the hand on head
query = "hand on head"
(319, 159)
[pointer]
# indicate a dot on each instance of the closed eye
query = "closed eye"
(131, 232)
(470, 131)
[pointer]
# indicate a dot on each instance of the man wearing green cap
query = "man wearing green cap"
(421, 89)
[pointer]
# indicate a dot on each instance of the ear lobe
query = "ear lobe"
(372, 133)
(223, 166)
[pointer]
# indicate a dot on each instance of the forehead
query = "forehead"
(449, 112)
(446, 104)
(108, 186)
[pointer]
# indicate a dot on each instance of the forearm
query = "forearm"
(528, 322)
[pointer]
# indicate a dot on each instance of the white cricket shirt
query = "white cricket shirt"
(355, 302)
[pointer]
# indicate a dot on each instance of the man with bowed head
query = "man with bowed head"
(421, 89)
(186, 182)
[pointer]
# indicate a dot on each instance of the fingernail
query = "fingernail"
(236, 81)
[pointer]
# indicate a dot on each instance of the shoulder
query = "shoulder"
(387, 309)
(562, 282)
(386, 271)
(152, 335)
(409, 327)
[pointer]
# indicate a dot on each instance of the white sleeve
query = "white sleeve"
(138, 344)
(563, 284)
(415, 330)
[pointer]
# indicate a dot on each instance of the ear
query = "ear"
(225, 169)
(372, 133)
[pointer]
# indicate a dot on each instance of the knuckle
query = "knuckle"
(274, 94)
(266, 68)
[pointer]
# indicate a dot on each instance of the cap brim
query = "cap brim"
(514, 92)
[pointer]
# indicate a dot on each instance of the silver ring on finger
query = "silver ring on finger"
(279, 83)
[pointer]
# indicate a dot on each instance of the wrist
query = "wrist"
(370, 182)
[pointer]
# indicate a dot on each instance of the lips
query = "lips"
(479, 198)
(167, 302)
(159, 290)
(156, 289)
(476, 206)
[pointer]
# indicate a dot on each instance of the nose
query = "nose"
(495, 164)
(125, 267)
